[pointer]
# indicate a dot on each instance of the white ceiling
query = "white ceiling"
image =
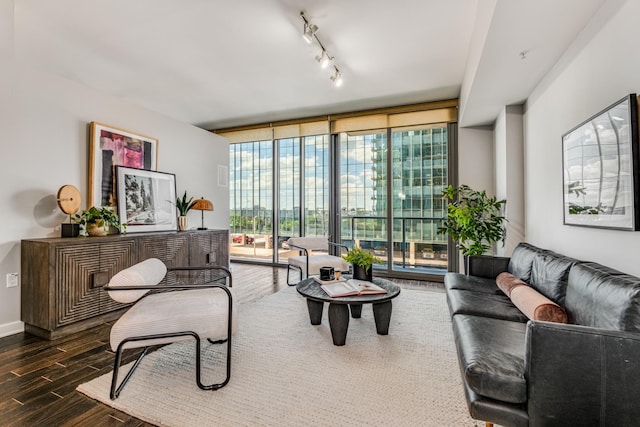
(219, 63)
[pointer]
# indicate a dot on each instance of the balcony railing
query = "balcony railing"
(415, 241)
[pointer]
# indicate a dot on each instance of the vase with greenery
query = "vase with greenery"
(98, 221)
(184, 205)
(474, 220)
(362, 262)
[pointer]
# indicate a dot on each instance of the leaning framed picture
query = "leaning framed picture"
(110, 147)
(601, 165)
(146, 199)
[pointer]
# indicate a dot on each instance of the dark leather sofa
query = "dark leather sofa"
(521, 372)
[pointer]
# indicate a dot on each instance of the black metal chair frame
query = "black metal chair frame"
(115, 389)
(306, 253)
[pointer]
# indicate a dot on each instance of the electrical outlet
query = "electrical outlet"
(12, 280)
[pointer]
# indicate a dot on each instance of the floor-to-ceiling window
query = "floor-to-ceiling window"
(363, 191)
(405, 192)
(251, 199)
(316, 185)
(419, 170)
(288, 194)
(252, 190)
(379, 189)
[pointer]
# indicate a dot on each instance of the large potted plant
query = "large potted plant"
(98, 221)
(362, 262)
(474, 220)
(184, 205)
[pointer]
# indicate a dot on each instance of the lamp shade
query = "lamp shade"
(203, 205)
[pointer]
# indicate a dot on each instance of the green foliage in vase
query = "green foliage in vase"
(94, 215)
(474, 220)
(360, 257)
(184, 205)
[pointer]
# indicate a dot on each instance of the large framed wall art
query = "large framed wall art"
(110, 147)
(601, 165)
(146, 199)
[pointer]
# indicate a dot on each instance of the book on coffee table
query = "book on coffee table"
(352, 287)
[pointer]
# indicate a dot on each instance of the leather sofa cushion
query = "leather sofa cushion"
(500, 413)
(601, 297)
(470, 283)
(486, 265)
(536, 306)
(521, 261)
(507, 281)
(491, 355)
(497, 306)
(549, 274)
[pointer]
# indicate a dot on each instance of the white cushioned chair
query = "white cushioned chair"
(180, 312)
(314, 253)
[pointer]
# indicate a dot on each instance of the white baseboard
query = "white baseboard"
(11, 328)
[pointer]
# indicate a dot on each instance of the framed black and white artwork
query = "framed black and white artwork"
(600, 161)
(146, 199)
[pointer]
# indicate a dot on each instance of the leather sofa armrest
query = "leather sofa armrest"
(486, 266)
(578, 375)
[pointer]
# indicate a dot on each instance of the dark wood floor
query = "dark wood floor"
(38, 378)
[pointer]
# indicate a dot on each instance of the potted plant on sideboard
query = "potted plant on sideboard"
(98, 221)
(184, 205)
(362, 262)
(474, 220)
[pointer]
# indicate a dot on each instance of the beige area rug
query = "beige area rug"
(286, 372)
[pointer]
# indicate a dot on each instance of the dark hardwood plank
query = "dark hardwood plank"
(38, 378)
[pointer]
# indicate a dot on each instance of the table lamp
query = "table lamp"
(202, 204)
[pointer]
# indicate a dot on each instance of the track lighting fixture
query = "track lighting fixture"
(337, 77)
(309, 33)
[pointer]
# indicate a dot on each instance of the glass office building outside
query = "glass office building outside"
(420, 170)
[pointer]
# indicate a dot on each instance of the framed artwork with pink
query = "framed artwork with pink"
(110, 147)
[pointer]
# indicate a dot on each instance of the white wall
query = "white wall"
(476, 161)
(601, 67)
(509, 161)
(475, 158)
(44, 144)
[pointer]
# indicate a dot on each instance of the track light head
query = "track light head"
(337, 78)
(324, 59)
(309, 32)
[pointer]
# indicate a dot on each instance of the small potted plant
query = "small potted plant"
(184, 205)
(98, 221)
(362, 262)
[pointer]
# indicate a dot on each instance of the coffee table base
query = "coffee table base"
(339, 323)
(339, 317)
(341, 308)
(315, 311)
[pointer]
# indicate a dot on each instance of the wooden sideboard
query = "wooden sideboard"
(62, 278)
